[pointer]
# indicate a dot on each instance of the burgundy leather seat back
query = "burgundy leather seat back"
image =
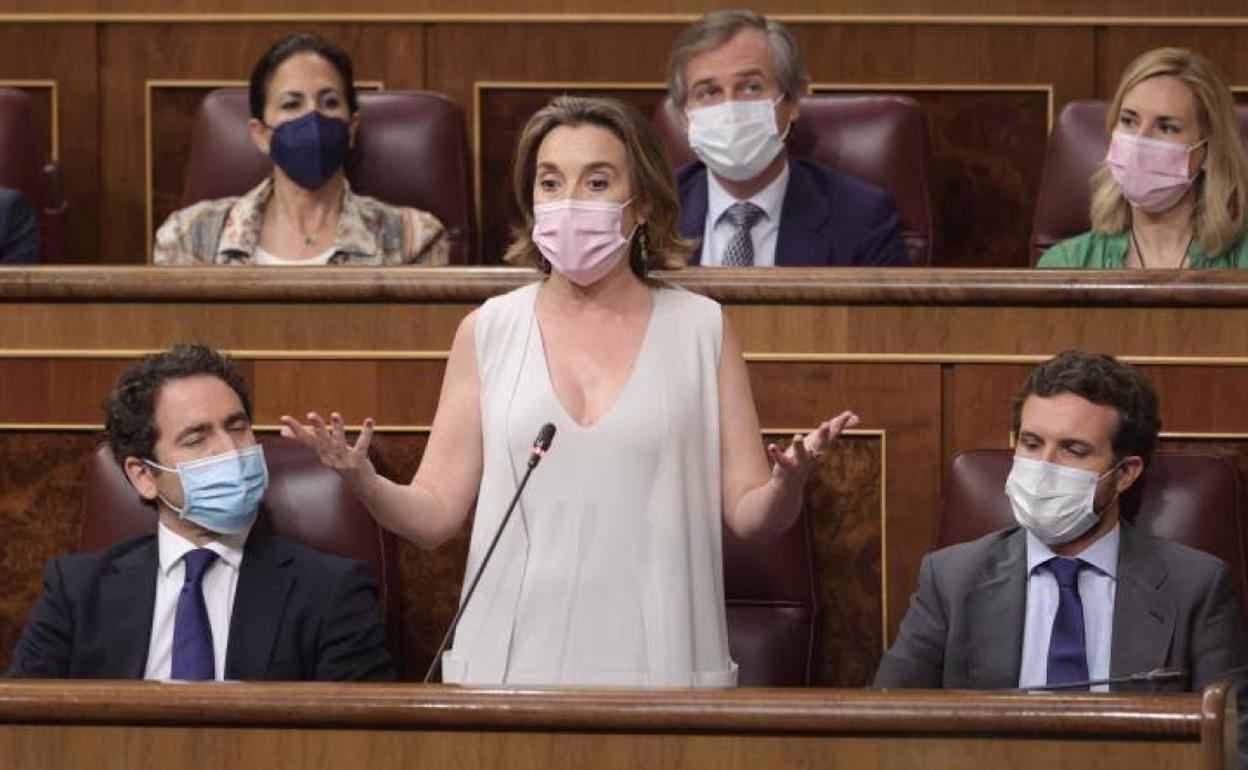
(1189, 498)
(1077, 145)
(411, 150)
(21, 153)
(773, 624)
(879, 138)
(305, 502)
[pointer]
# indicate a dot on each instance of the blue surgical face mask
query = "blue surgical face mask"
(221, 493)
(310, 149)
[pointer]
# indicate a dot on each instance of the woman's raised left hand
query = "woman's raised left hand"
(795, 463)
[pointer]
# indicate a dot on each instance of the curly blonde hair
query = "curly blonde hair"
(1221, 190)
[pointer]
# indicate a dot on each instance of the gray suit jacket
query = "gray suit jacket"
(1174, 607)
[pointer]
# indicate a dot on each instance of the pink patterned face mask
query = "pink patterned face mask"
(580, 239)
(1153, 174)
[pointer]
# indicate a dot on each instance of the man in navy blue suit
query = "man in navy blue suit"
(208, 596)
(19, 230)
(737, 76)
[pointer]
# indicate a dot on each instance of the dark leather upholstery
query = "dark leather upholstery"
(24, 167)
(1077, 145)
(880, 139)
(1190, 498)
(305, 502)
(772, 612)
(411, 150)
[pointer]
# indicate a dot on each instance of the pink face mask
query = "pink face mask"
(580, 239)
(1153, 174)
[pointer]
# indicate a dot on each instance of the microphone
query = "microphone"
(1156, 675)
(540, 445)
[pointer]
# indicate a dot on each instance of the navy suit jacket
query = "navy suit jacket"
(828, 219)
(19, 230)
(298, 615)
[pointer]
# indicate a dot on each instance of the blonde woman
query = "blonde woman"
(1172, 191)
(610, 572)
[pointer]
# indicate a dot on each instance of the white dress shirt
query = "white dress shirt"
(1097, 585)
(269, 258)
(765, 232)
(220, 582)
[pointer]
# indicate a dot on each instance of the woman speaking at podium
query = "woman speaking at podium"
(609, 572)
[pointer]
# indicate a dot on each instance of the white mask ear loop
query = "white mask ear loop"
(161, 497)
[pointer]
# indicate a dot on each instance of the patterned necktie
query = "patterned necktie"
(1068, 651)
(192, 636)
(742, 215)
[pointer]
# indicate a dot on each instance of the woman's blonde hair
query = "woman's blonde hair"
(1221, 189)
(657, 244)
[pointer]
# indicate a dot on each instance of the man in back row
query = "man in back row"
(1074, 593)
(210, 595)
(737, 77)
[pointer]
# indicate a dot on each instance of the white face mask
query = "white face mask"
(738, 139)
(1056, 503)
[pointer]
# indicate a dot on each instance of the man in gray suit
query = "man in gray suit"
(1072, 593)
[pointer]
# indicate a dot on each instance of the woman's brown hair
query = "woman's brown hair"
(657, 244)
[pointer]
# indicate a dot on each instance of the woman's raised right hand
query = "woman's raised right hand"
(331, 446)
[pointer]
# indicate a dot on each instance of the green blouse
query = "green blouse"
(1107, 252)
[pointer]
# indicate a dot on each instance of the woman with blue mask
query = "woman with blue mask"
(304, 115)
(1172, 191)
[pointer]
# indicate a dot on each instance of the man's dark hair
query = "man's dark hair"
(130, 411)
(305, 42)
(1106, 381)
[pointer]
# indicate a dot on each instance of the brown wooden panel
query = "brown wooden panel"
(987, 157)
(67, 55)
(905, 403)
(138, 53)
(41, 479)
(1021, 11)
(1117, 46)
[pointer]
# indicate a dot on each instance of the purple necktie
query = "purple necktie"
(192, 636)
(1068, 649)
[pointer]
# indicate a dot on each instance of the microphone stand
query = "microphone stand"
(540, 446)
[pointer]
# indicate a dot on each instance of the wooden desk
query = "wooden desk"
(929, 358)
(134, 726)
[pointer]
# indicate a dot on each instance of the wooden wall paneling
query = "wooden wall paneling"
(346, 329)
(1011, 12)
(135, 54)
(947, 333)
(902, 401)
(64, 55)
(1225, 45)
(394, 393)
(985, 92)
(41, 475)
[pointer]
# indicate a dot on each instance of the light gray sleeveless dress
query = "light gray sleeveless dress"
(610, 571)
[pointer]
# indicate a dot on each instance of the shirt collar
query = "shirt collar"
(769, 199)
(172, 547)
(1102, 555)
(240, 233)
